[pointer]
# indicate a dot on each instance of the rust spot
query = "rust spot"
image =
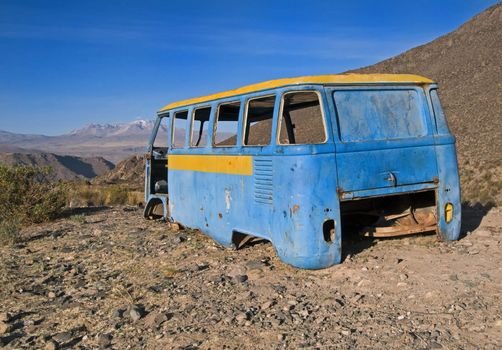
(435, 179)
(295, 208)
(220, 215)
(340, 191)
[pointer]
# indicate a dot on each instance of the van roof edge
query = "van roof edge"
(349, 78)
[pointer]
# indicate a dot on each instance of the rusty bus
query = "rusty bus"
(301, 161)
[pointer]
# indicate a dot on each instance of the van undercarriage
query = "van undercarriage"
(390, 216)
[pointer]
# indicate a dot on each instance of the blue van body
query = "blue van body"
(288, 193)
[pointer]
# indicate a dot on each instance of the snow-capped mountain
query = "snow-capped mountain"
(136, 127)
(111, 141)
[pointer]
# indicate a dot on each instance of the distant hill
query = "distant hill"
(114, 142)
(130, 171)
(467, 64)
(63, 167)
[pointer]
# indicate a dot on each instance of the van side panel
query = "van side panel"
(306, 198)
(286, 200)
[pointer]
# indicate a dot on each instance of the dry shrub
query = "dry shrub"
(26, 198)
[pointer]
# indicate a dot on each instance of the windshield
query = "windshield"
(379, 114)
(160, 136)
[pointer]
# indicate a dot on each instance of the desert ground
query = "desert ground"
(107, 278)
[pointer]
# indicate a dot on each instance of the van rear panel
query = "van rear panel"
(386, 138)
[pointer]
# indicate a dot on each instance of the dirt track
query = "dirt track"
(118, 281)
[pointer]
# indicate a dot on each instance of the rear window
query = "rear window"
(379, 114)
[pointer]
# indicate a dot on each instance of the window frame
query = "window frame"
(215, 124)
(192, 119)
(245, 120)
(173, 129)
(279, 121)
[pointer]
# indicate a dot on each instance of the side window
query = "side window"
(227, 121)
(441, 124)
(301, 119)
(258, 126)
(179, 129)
(162, 133)
(200, 122)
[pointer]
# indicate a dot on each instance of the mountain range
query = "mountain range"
(113, 142)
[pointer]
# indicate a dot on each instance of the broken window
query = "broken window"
(179, 129)
(162, 133)
(227, 121)
(301, 120)
(258, 127)
(200, 122)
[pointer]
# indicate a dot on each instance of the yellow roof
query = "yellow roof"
(318, 79)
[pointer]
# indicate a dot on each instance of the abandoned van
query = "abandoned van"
(303, 161)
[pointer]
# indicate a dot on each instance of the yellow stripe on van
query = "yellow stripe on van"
(315, 79)
(236, 165)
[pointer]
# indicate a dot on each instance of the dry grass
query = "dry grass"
(100, 195)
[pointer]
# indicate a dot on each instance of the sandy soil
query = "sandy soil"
(110, 279)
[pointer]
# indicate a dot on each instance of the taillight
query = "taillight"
(448, 212)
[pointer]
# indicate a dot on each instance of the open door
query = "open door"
(156, 158)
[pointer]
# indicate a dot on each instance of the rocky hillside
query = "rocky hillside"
(63, 167)
(130, 171)
(467, 65)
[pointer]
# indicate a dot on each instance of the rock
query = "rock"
(104, 341)
(267, 305)
(5, 317)
(292, 302)
(155, 319)
(304, 313)
(241, 278)
(5, 328)
(51, 345)
(136, 312)
(356, 298)
(180, 237)
(242, 317)
(51, 295)
(281, 337)
(175, 227)
(118, 313)
(202, 266)
(62, 337)
(364, 283)
(236, 271)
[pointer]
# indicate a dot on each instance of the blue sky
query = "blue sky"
(65, 63)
